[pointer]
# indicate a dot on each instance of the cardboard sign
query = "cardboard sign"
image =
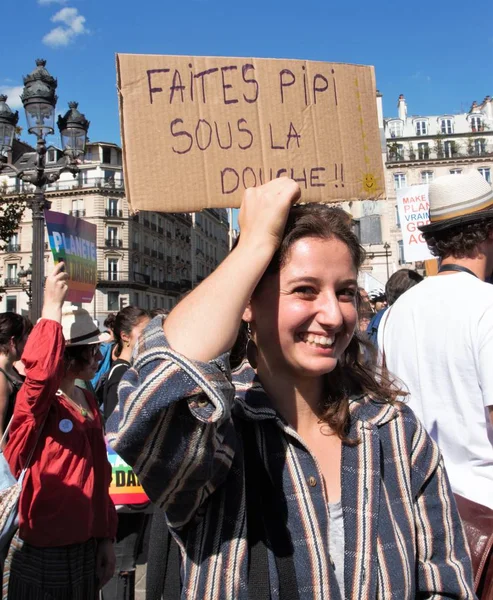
(197, 131)
(74, 241)
(414, 208)
(125, 488)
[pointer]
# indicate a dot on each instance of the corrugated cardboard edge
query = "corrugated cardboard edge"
(122, 135)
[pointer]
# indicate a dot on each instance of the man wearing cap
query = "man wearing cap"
(438, 337)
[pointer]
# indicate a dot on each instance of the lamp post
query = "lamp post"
(386, 247)
(25, 276)
(39, 101)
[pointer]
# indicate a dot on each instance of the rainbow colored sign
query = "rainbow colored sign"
(74, 241)
(125, 488)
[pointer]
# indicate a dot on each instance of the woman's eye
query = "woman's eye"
(347, 294)
(304, 290)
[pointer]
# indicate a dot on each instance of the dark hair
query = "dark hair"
(75, 357)
(159, 311)
(459, 241)
(14, 326)
(352, 375)
(109, 322)
(401, 281)
(125, 321)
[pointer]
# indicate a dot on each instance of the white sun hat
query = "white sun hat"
(79, 328)
(458, 199)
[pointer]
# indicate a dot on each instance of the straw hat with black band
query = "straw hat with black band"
(458, 200)
(79, 328)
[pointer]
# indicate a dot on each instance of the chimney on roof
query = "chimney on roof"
(474, 107)
(402, 108)
(488, 108)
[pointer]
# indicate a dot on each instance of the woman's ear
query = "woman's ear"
(248, 313)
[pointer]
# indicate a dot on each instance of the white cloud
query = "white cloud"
(73, 24)
(12, 92)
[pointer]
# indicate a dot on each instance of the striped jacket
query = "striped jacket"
(178, 425)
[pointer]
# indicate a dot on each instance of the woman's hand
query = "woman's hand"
(56, 288)
(264, 211)
(105, 561)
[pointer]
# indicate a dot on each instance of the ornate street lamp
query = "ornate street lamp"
(73, 131)
(39, 100)
(8, 123)
(386, 247)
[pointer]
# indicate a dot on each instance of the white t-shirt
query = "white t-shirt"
(438, 340)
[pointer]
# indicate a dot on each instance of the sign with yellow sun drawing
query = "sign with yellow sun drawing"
(197, 131)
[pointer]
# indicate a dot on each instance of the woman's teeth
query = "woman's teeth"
(317, 340)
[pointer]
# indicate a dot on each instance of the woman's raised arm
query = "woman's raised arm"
(205, 323)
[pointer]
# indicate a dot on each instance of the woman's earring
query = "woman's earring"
(251, 349)
(127, 344)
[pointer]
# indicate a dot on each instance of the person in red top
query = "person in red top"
(67, 521)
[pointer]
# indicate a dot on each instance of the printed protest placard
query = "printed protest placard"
(414, 208)
(125, 488)
(197, 131)
(74, 241)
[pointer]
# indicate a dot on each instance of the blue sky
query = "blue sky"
(438, 54)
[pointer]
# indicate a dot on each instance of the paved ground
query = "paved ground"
(140, 583)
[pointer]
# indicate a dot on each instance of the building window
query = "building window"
(397, 218)
(112, 239)
(399, 180)
(78, 208)
(479, 147)
(476, 123)
(113, 207)
(106, 156)
(400, 245)
(486, 173)
(112, 269)
(113, 301)
(426, 176)
(11, 305)
(423, 151)
(51, 156)
(395, 128)
(136, 299)
(455, 171)
(396, 152)
(446, 126)
(12, 271)
(148, 302)
(421, 128)
(154, 302)
(370, 230)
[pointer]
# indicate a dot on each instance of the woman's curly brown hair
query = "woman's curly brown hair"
(460, 241)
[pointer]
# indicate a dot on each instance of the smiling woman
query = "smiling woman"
(254, 468)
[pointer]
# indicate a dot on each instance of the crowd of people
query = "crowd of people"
(298, 438)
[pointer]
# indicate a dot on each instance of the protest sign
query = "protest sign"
(414, 208)
(197, 131)
(74, 241)
(125, 488)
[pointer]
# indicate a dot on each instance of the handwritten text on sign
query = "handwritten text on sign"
(414, 207)
(217, 126)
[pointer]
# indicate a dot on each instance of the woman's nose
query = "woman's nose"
(329, 312)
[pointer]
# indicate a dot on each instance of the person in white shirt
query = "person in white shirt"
(437, 339)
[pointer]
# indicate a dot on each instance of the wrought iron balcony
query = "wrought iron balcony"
(113, 243)
(113, 212)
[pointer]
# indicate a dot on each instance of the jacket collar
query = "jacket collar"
(253, 402)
